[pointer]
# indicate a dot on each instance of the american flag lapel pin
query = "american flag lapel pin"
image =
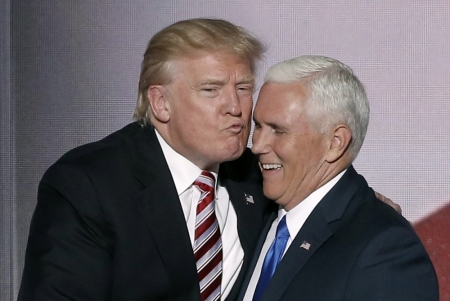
(249, 198)
(305, 245)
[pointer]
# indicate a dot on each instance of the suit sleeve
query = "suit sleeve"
(393, 266)
(69, 253)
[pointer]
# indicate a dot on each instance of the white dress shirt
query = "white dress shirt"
(184, 173)
(295, 218)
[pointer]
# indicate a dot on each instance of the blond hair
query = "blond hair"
(185, 39)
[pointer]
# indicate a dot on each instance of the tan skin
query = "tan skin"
(204, 113)
(295, 159)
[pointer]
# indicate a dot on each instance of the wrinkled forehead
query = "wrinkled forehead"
(276, 93)
(212, 65)
(226, 54)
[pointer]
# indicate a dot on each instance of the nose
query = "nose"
(260, 143)
(233, 104)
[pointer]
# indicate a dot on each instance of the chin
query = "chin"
(235, 151)
(268, 194)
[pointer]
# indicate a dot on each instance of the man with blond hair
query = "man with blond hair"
(117, 219)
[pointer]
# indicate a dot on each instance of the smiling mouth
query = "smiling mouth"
(266, 166)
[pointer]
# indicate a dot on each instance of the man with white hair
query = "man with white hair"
(330, 239)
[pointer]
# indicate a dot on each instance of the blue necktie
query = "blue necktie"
(273, 257)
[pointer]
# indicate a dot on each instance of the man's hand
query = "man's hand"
(389, 202)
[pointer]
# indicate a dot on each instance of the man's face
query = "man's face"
(291, 153)
(210, 104)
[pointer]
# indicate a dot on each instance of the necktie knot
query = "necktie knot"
(205, 181)
(282, 230)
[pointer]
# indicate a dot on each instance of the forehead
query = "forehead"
(209, 63)
(285, 99)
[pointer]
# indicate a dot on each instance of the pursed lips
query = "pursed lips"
(235, 127)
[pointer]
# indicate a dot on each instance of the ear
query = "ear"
(341, 136)
(158, 99)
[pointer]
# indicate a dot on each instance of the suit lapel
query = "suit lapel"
(314, 232)
(249, 204)
(161, 210)
(245, 211)
(255, 256)
(318, 228)
(247, 224)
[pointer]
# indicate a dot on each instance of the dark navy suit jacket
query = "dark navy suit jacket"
(360, 249)
(108, 224)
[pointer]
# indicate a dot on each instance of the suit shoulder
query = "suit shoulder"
(106, 152)
(364, 216)
(113, 140)
(364, 207)
(375, 225)
(384, 215)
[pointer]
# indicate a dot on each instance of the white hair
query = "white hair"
(336, 95)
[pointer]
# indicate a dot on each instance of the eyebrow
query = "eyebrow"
(246, 80)
(211, 82)
(272, 125)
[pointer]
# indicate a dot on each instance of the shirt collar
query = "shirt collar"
(296, 217)
(183, 171)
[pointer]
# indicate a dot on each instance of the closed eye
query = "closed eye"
(210, 91)
(277, 129)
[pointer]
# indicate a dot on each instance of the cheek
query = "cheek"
(201, 114)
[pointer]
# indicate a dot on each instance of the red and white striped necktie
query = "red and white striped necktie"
(207, 243)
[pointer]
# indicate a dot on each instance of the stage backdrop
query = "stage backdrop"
(69, 73)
